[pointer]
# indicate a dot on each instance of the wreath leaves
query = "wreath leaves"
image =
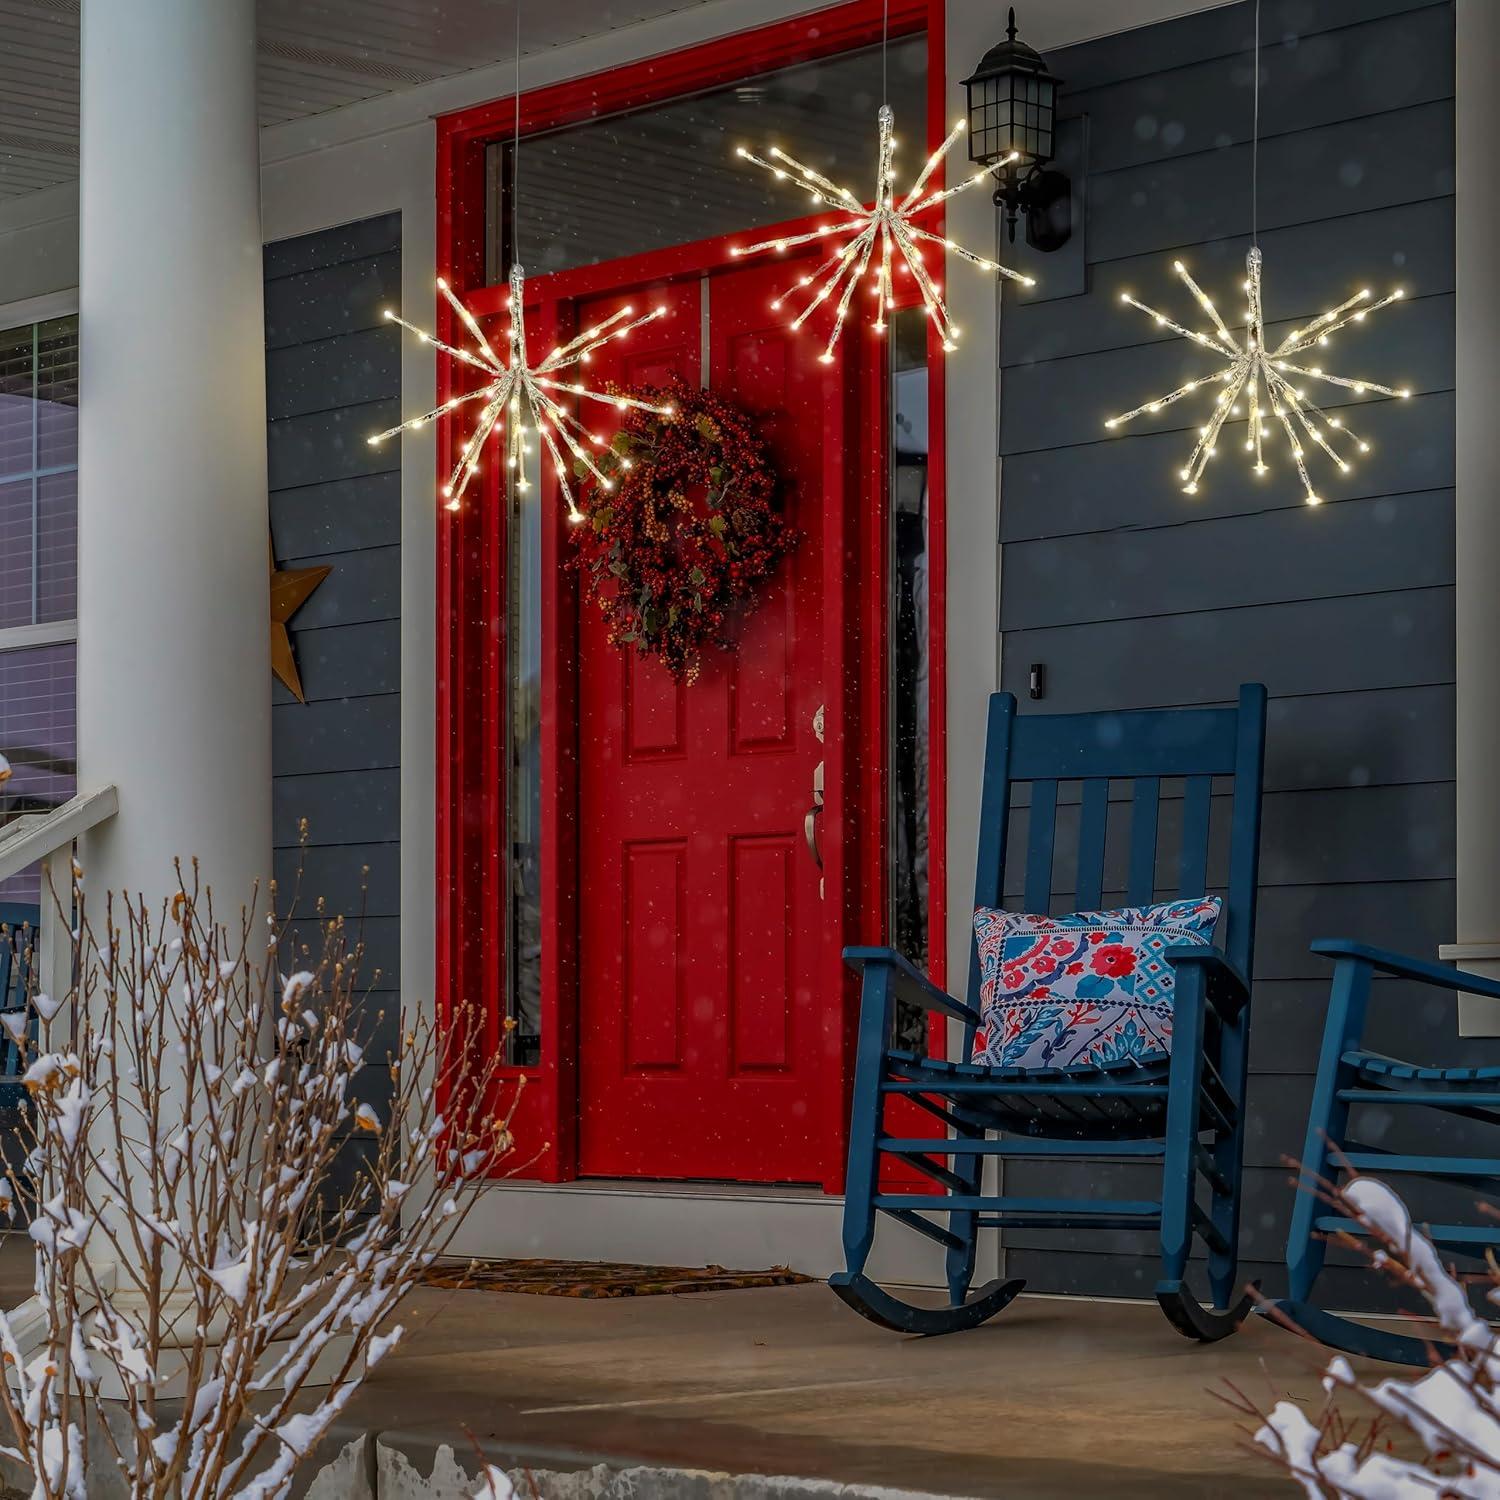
(690, 530)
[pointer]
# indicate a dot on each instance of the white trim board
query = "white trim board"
(669, 1224)
(40, 309)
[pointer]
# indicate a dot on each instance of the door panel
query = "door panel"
(703, 933)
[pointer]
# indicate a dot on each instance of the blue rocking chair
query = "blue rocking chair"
(1186, 1113)
(1351, 1077)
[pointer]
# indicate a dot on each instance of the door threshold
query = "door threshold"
(746, 1226)
(774, 1192)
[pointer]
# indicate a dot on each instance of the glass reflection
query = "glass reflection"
(909, 653)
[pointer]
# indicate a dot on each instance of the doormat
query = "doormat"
(593, 1278)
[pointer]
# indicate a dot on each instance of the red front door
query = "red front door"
(709, 1036)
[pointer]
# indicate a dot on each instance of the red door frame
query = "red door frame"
(471, 645)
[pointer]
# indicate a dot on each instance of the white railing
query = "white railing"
(47, 839)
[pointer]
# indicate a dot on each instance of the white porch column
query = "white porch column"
(173, 689)
(1477, 506)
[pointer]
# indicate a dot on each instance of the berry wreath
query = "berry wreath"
(688, 529)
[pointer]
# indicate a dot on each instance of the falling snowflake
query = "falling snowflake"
(1265, 378)
(518, 396)
(886, 224)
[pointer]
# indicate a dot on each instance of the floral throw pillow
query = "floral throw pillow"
(1081, 990)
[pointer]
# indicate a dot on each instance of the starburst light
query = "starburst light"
(885, 233)
(519, 396)
(1263, 377)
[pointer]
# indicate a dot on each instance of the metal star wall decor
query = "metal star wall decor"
(518, 396)
(290, 589)
(1265, 378)
(886, 225)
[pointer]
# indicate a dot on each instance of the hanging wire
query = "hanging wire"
(1254, 140)
(885, 46)
(515, 151)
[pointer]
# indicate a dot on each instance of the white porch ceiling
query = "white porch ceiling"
(314, 55)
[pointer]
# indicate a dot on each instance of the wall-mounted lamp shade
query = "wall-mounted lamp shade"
(1012, 104)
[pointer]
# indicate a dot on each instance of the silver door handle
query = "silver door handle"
(810, 822)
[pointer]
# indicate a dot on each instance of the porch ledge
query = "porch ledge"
(1461, 953)
(1477, 1016)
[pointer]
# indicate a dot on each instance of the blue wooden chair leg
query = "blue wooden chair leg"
(1327, 1122)
(1228, 1161)
(851, 1284)
(964, 1226)
(877, 1006)
(1327, 1129)
(1179, 1175)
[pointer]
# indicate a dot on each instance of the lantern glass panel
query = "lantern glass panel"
(990, 126)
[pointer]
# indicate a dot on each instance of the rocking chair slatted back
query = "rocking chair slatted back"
(1091, 752)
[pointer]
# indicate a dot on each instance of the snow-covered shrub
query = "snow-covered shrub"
(1447, 1419)
(199, 1260)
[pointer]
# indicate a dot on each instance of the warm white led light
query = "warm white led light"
(524, 390)
(1259, 374)
(884, 234)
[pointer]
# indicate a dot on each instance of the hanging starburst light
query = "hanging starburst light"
(1256, 378)
(884, 233)
(518, 396)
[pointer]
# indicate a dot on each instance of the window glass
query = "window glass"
(667, 174)
(38, 572)
(524, 783)
(909, 653)
(38, 472)
(38, 738)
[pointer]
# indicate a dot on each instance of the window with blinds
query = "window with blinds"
(38, 574)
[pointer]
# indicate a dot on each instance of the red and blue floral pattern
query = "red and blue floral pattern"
(1082, 990)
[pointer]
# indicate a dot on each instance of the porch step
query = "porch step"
(396, 1476)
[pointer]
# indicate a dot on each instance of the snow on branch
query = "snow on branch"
(197, 1231)
(1433, 1435)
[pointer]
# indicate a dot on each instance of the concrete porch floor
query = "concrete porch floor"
(1057, 1397)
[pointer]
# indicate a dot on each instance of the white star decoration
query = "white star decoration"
(519, 395)
(1253, 365)
(886, 223)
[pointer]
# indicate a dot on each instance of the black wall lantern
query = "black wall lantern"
(1013, 107)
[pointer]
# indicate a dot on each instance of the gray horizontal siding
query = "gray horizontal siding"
(1058, 492)
(1058, 403)
(1151, 53)
(348, 661)
(1376, 545)
(1137, 596)
(332, 378)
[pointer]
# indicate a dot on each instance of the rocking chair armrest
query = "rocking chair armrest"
(1403, 967)
(1226, 989)
(910, 983)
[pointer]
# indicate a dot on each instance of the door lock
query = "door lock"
(810, 822)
